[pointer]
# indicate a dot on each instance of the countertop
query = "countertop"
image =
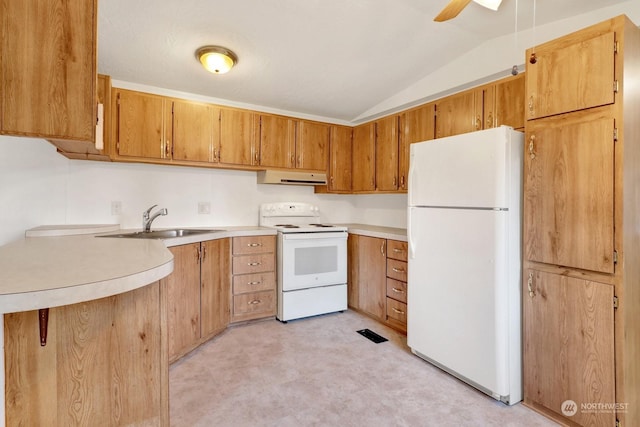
(72, 265)
(378, 231)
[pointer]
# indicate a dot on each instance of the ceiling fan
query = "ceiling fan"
(454, 7)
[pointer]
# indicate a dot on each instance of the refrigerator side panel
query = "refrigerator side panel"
(461, 171)
(458, 294)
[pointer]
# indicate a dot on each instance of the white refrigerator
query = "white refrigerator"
(464, 231)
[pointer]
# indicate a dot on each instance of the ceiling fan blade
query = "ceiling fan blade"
(451, 10)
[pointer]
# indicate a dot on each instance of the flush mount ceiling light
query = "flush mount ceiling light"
(216, 59)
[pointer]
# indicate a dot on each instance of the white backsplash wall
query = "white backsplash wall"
(33, 179)
(38, 186)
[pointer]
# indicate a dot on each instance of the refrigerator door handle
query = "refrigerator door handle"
(412, 249)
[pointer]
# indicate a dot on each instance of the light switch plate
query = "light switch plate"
(116, 208)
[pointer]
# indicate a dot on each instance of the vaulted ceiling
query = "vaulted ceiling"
(327, 58)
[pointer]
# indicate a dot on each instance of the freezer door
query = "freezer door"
(459, 293)
(469, 170)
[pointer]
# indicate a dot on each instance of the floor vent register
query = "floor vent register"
(369, 334)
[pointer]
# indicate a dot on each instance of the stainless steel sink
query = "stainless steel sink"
(162, 234)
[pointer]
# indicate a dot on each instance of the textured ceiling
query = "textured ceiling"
(328, 58)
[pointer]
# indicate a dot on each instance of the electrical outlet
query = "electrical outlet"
(204, 208)
(116, 208)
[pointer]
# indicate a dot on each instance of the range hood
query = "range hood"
(291, 177)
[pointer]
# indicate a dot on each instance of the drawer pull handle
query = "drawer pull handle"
(398, 291)
(254, 302)
(253, 245)
(253, 264)
(397, 311)
(398, 251)
(398, 270)
(254, 283)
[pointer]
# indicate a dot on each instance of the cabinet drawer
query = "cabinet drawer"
(397, 290)
(253, 244)
(397, 250)
(253, 263)
(254, 305)
(254, 282)
(396, 311)
(397, 269)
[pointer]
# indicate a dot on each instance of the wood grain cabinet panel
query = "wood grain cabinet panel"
(569, 198)
(386, 142)
(553, 82)
(312, 146)
(340, 159)
(568, 345)
(246, 245)
(460, 113)
(239, 137)
(139, 124)
(104, 364)
(364, 158)
(397, 290)
(510, 102)
(196, 132)
(215, 291)
(416, 125)
(371, 276)
(277, 141)
(40, 94)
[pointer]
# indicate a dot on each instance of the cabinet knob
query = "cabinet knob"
(530, 286)
(397, 291)
(398, 270)
(253, 245)
(397, 311)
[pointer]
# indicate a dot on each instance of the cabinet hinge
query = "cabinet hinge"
(616, 86)
(615, 302)
(615, 257)
(615, 134)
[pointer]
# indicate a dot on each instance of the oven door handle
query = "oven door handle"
(315, 235)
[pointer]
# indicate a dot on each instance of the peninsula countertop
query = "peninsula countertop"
(73, 265)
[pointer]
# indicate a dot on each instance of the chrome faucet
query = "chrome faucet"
(147, 219)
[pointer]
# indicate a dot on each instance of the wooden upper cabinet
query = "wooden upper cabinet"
(570, 74)
(387, 153)
(239, 137)
(48, 69)
(277, 141)
(509, 102)
(460, 113)
(139, 124)
(415, 126)
(569, 199)
(340, 158)
(364, 158)
(568, 344)
(312, 146)
(196, 131)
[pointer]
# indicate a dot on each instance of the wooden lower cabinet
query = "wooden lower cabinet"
(104, 363)
(254, 281)
(377, 283)
(197, 294)
(568, 350)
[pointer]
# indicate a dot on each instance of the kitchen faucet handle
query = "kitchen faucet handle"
(148, 211)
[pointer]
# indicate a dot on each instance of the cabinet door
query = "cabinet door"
(215, 289)
(509, 102)
(568, 347)
(458, 114)
(48, 68)
(353, 277)
(372, 276)
(572, 73)
(340, 158)
(194, 131)
(387, 154)
(364, 158)
(568, 192)
(312, 146)
(183, 296)
(277, 141)
(416, 125)
(239, 131)
(139, 124)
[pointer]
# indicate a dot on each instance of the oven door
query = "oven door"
(308, 260)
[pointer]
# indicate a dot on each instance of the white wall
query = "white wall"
(38, 186)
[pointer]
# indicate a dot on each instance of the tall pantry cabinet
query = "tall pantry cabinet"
(581, 275)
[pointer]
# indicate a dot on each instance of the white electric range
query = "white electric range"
(311, 260)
